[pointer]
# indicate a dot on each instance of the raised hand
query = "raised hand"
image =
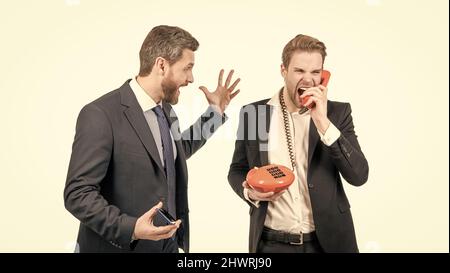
(224, 92)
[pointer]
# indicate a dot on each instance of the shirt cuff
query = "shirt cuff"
(330, 136)
(254, 203)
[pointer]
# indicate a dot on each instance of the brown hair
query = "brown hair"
(302, 43)
(167, 42)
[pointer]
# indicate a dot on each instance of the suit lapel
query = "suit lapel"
(264, 115)
(134, 115)
(313, 140)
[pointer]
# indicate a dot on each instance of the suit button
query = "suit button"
(310, 186)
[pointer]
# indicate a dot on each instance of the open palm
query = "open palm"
(224, 92)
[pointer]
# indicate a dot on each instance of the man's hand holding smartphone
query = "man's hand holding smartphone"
(145, 229)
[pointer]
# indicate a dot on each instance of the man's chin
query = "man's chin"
(173, 98)
(172, 101)
(296, 101)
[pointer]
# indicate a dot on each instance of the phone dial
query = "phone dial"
(270, 178)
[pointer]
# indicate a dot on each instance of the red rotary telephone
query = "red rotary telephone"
(270, 178)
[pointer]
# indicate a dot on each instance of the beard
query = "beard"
(170, 90)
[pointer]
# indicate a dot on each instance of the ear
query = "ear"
(160, 65)
(283, 71)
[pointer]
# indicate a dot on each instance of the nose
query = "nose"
(190, 78)
(307, 81)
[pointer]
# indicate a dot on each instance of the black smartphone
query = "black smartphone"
(163, 218)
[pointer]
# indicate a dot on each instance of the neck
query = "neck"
(151, 86)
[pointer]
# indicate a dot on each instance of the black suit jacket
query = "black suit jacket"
(331, 209)
(115, 173)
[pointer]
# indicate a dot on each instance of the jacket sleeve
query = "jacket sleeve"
(346, 152)
(89, 162)
(196, 136)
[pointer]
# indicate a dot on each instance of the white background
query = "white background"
(389, 59)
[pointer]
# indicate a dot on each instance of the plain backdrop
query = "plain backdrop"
(389, 59)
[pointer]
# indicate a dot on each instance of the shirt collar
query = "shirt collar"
(144, 100)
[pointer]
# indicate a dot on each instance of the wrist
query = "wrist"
(217, 109)
(135, 236)
(323, 124)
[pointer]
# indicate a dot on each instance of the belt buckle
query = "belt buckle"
(300, 241)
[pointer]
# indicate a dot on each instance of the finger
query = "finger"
(323, 89)
(230, 74)
(169, 234)
(163, 230)
(204, 89)
(279, 194)
(158, 238)
(220, 77)
(178, 223)
(312, 92)
(264, 195)
(310, 102)
(273, 199)
(166, 236)
(234, 94)
(245, 185)
(172, 233)
(231, 88)
(151, 213)
(276, 196)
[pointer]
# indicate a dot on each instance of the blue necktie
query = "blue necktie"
(169, 162)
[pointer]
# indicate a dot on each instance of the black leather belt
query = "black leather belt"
(288, 238)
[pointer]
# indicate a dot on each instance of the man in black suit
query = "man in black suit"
(316, 139)
(129, 157)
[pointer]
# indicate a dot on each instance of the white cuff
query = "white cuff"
(254, 203)
(331, 135)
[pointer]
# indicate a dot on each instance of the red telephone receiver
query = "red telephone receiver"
(270, 178)
(323, 81)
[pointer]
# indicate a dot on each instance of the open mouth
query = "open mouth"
(302, 102)
(300, 90)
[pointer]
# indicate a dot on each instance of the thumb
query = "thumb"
(151, 213)
(205, 90)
